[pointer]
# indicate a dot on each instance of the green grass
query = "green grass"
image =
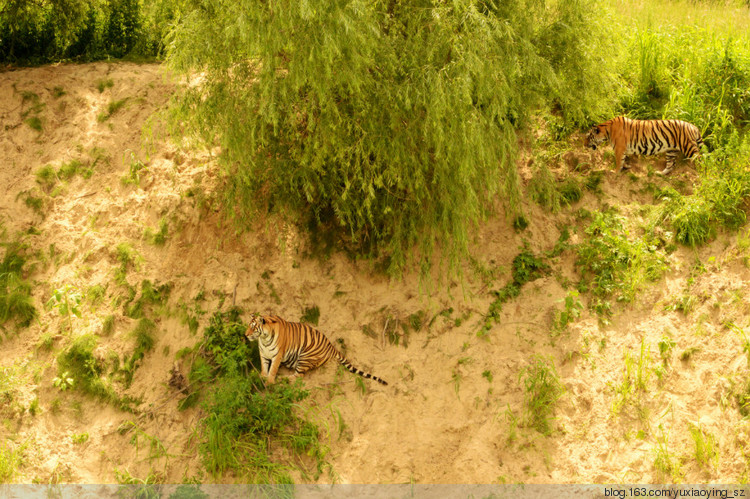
(112, 108)
(11, 459)
(35, 123)
(103, 84)
(526, 267)
(159, 237)
(244, 422)
(614, 264)
(542, 389)
(16, 304)
(311, 315)
(706, 447)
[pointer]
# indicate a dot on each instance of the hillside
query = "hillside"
(640, 387)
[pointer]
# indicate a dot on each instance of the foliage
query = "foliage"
(409, 145)
(244, 421)
(79, 364)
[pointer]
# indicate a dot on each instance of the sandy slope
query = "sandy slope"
(440, 419)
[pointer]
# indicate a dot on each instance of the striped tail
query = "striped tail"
(353, 369)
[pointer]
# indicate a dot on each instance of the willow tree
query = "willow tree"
(389, 124)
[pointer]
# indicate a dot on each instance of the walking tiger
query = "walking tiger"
(647, 137)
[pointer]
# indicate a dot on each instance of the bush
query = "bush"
(408, 146)
(244, 422)
(15, 293)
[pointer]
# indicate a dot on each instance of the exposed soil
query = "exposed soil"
(440, 420)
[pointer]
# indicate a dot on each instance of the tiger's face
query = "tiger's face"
(596, 136)
(255, 328)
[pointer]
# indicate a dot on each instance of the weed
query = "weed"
(520, 223)
(79, 438)
(10, 460)
(67, 300)
(160, 237)
(135, 171)
(153, 298)
(706, 447)
(34, 406)
(666, 344)
(613, 265)
(63, 381)
(58, 92)
(35, 123)
(15, 293)
(79, 364)
(108, 325)
(526, 267)
(542, 388)
(571, 311)
(242, 419)
(487, 374)
(104, 84)
(311, 315)
(112, 108)
(126, 255)
(635, 380)
(664, 462)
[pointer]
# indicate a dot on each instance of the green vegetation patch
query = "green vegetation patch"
(542, 389)
(16, 304)
(246, 422)
(613, 264)
(526, 267)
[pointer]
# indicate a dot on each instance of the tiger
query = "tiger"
(647, 137)
(297, 346)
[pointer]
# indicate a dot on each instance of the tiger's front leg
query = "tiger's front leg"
(620, 157)
(274, 369)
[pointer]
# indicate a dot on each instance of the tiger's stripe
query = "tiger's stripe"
(647, 137)
(295, 345)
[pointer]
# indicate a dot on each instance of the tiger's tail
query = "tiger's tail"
(348, 365)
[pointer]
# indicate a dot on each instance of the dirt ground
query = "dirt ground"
(447, 415)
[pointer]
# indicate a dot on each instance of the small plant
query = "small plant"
(570, 312)
(34, 407)
(58, 92)
(526, 267)
(664, 462)
(706, 447)
(160, 237)
(311, 315)
(15, 293)
(104, 84)
(46, 177)
(542, 388)
(135, 172)
(35, 123)
(666, 344)
(63, 381)
(635, 380)
(108, 326)
(10, 460)
(67, 300)
(79, 438)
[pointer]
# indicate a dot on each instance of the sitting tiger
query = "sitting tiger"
(647, 137)
(297, 346)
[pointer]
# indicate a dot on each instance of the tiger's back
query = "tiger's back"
(647, 137)
(297, 346)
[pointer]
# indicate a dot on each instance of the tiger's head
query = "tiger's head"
(596, 136)
(255, 328)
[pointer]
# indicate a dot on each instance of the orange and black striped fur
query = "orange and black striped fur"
(647, 137)
(297, 346)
